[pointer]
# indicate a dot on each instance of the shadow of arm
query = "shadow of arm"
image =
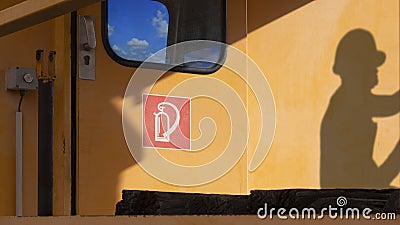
(385, 105)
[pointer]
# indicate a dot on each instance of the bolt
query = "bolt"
(28, 78)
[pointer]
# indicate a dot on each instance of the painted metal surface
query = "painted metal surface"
(293, 42)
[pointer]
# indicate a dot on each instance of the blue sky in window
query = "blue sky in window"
(137, 28)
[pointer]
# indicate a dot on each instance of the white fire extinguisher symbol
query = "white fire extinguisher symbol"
(164, 134)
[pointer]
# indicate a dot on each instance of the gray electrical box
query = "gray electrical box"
(20, 78)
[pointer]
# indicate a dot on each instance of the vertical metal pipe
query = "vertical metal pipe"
(45, 134)
(45, 153)
(18, 164)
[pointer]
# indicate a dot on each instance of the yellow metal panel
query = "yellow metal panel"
(62, 118)
(296, 51)
(19, 50)
(106, 166)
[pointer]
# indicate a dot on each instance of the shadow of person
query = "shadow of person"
(347, 131)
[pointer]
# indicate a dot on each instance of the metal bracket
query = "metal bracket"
(20, 78)
(51, 73)
(87, 48)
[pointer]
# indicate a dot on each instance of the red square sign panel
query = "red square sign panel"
(166, 122)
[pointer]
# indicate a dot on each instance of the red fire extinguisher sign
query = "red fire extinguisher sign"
(166, 122)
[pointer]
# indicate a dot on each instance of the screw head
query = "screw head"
(28, 78)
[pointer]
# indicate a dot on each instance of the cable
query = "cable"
(21, 93)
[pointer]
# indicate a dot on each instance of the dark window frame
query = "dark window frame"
(159, 66)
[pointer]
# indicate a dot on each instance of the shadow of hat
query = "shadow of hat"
(357, 49)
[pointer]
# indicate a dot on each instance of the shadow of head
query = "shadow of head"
(357, 58)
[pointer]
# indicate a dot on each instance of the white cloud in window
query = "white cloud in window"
(160, 24)
(110, 30)
(137, 44)
(119, 50)
(137, 50)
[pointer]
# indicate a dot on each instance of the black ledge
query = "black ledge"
(172, 203)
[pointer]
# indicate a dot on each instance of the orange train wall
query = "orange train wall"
(294, 43)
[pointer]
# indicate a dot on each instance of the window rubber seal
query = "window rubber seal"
(158, 66)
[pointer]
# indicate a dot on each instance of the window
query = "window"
(133, 30)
